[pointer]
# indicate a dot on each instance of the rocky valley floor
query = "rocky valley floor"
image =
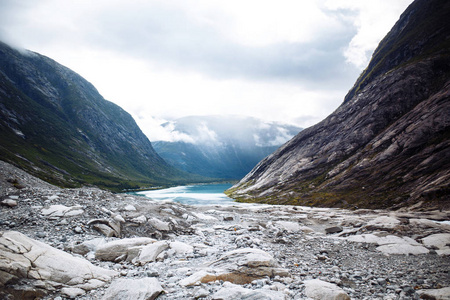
(91, 244)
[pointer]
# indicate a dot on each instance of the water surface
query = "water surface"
(205, 194)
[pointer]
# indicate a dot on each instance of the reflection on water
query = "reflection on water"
(208, 194)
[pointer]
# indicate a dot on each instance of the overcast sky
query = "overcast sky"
(287, 60)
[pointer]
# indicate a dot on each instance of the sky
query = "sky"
(287, 61)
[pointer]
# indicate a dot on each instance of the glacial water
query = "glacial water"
(205, 194)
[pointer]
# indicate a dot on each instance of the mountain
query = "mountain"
(55, 124)
(388, 144)
(225, 147)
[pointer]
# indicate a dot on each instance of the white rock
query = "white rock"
(239, 266)
(384, 222)
(440, 240)
(320, 290)
(197, 278)
(438, 294)
(129, 207)
(159, 225)
(149, 253)
(22, 257)
(62, 211)
(121, 248)
(88, 246)
(9, 202)
(288, 226)
(133, 289)
(139, 220)
(402, 249)
(231, 291)
(205, 217)
(118, 218)
(391, 244)
(181, 248)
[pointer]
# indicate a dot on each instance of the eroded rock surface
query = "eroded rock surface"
(215, 252)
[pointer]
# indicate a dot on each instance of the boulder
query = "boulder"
(391, 244)
(62, 211)
(383, 222)
(440, 241)
(435, 294)
(240, 266)
(106, 227)
(133, 289)
(121, 249)
(159, 225)
(9, 203)
(140, 220)
(288, 226)
(319, 290)
(334, 229)
(22, 257)
(181, 248)
(231, 291)
(150, 252)
(88, 246)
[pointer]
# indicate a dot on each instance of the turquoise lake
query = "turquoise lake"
(205, 194)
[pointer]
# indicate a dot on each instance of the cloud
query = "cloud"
(287, 60)
(372, 19)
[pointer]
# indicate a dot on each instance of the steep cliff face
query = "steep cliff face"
(56, 125)
(388, 144)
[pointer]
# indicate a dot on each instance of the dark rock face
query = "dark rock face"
(387, 145)
(55, 124)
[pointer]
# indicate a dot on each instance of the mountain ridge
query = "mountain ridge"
(57, 126)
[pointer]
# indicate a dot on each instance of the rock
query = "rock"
(133, 289)
(159, 225)
(129, 207)
(231, 291)
(78, 229)
(88, 246)
(383, 222)
(319, 290)
(402, 249)
(106, 227)
(9, 203)
(181, 248)
(197, 278)
(139, 220)
(150, 252)
(391, 244)
(121, 249)
(435, 294)
(72, 292)
(240, 266)
(334, 229)
(22, 257)
(288, 226)
(440, 241)
(62, 211)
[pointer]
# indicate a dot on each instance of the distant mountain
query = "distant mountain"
(221, 146)
(54, 124)
(388, 144)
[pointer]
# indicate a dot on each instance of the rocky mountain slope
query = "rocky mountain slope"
(55, 124)
(388, 144)
(87, 243)
(221, 146)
